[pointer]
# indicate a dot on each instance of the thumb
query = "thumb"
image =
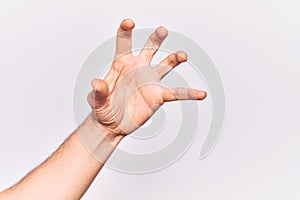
(98, 96)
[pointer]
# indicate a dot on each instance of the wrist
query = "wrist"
(111, 135)
(98, 140)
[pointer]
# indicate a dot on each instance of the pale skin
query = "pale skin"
(69, 171)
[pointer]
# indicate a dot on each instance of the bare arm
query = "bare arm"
(124, 100)
(67, 174)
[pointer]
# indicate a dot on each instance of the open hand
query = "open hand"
(131, 92)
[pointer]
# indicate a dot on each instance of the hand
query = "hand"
(131, 92)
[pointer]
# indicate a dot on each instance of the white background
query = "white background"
(254, 44)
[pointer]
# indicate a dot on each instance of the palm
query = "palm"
(130, 93)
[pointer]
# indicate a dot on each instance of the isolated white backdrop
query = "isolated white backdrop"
(254, 44)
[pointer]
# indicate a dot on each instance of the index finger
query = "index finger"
(124, 37)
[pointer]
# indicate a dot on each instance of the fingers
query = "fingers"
(165, 66)
(152, 44)
(98, 96)
(124, 37)
(174, 94)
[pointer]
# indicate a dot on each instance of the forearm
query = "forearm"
(67, 174)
